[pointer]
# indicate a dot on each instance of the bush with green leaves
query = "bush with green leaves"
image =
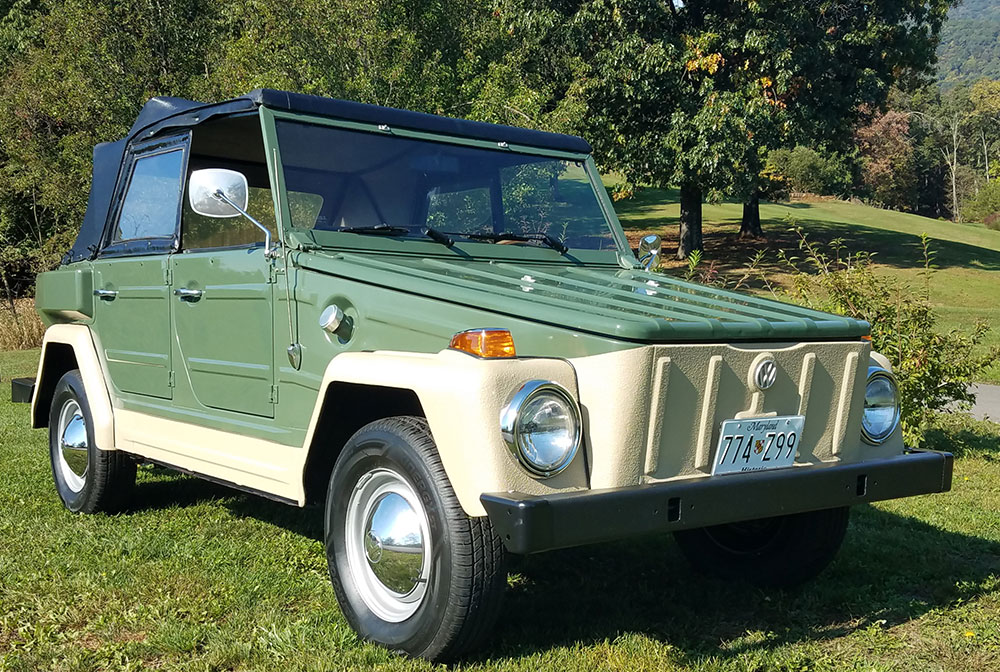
(806, 170)
(934, 367)
(985, 206)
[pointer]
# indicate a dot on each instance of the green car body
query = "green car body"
(219, 358)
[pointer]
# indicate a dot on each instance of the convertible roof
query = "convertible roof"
(162, 114)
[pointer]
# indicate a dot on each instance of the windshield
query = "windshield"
(340, 180)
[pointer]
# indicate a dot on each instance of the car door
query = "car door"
(132, 315)
(223, 312)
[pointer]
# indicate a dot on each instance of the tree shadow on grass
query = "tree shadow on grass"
(729, 253)
(891, 568)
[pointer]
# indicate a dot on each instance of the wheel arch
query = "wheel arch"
(56, 360)
(66, 347)
(346, 407)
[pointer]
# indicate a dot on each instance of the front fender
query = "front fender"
(462, 397)
(51, 368)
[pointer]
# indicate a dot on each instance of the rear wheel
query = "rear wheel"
(410, 569)
(772, 552)
(87, 479)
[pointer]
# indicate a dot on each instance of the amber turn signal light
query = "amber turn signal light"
(487, 343)
(867, 337)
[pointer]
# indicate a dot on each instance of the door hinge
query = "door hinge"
(274, 394)
(170, 380)
(168, 276)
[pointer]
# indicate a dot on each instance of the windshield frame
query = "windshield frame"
(620, 256)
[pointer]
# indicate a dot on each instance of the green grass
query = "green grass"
(965, 285)
(197, 577)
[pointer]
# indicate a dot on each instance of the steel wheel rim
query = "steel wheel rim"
(74, 446)
(388, 545)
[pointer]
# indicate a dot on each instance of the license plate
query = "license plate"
(757, 444)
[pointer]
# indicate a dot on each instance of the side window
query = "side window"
(151, 202)
(201, 232)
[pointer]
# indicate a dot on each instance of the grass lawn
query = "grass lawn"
(197, 577)
(965, 286)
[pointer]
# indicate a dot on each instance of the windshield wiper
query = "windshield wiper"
(519, 237)
(381, 229)
(389, 230)
(444, 237)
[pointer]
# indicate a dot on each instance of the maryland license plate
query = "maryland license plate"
(757, 444)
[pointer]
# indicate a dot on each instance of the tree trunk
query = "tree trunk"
(690, 234)
(956, 215)
(986, 155)
(750, 226)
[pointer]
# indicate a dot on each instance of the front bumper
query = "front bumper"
(531, 524)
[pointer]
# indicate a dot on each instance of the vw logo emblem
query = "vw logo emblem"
(766, 374)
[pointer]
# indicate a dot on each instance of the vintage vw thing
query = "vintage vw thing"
(436, 329)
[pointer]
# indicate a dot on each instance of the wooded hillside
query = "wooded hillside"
(970, 43)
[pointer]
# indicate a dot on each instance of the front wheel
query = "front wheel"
(774, 552)
(410, 569)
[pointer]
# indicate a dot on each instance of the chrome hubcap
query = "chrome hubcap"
(388, 549)
(73, 445)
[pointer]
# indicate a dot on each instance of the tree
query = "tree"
(74, 73)
(696, 94)
(948, 117)
(887, 158)
(984, 97)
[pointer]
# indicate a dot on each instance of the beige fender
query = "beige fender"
(462, 397)
(79, 338)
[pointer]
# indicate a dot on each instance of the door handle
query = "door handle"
(189, 295)
(106, 294)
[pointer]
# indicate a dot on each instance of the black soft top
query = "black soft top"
(165, 113)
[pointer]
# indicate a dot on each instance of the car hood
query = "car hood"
(631, 305)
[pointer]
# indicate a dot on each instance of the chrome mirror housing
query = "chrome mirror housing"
(649, 251)
(218, 192)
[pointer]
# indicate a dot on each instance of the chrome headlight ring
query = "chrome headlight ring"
(880, 383)
(518, 437)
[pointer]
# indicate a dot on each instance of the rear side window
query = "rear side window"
(152, 201)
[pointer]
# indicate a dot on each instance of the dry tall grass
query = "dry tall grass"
(20, 327)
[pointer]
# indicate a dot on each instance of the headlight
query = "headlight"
(541, 426)
(881, 415)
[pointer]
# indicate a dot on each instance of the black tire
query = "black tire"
(108, 477)
(775, 552)
(466, 578)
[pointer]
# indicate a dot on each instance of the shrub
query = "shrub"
(934, 368)
(992, 221)
(806, 170)
(985, 205)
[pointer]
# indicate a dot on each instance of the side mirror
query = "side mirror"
(218, 192)
(649, 251)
